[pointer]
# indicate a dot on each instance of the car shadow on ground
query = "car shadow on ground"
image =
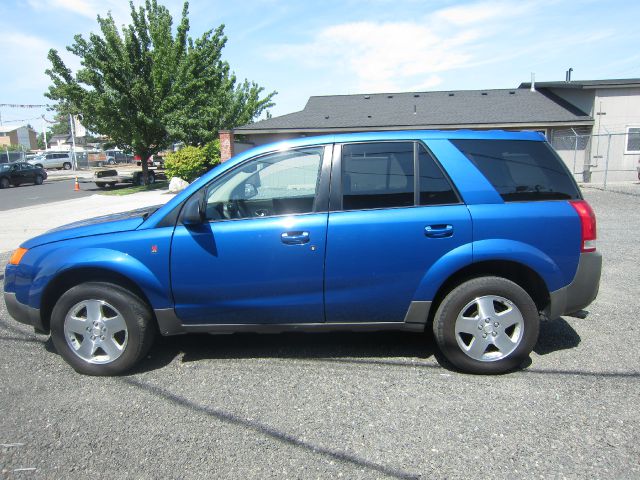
(556, 335)
(364, 346)
(389, 348)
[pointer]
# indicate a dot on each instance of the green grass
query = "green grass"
(125, 190)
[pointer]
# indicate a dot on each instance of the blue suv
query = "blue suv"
(477, 235)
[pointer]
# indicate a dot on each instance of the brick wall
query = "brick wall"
(226, 145)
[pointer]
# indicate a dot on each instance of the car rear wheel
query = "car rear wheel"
(486, 325)
(39, 180)
(101, 329)
(66, 165)
(4, 182)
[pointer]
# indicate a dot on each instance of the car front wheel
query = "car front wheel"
(39, 180)
(66, 166)
(101, 328)
(4, 182)
(486, 325)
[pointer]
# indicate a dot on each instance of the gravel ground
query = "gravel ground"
(342, 405)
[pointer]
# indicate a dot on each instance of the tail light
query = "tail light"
(588, 222)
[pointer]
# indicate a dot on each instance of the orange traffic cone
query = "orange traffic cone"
(76, 187)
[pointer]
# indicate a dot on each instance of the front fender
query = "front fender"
(65, 260)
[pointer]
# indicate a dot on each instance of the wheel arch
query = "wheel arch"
(519, 273)
(76, 276)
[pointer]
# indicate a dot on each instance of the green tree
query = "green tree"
(146, 88)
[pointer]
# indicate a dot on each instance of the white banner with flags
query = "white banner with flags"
(79, 129)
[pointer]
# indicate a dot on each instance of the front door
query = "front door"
(259, 258)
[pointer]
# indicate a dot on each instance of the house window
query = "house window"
(632, 144)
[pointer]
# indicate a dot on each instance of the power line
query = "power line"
(26, 105)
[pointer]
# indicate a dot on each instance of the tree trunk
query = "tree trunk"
(145, 170)
(144, 157)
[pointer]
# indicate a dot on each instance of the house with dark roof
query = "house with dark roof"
(568, 113)
(611, 148)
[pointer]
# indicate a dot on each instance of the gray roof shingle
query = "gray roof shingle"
(423, 110)
(588, 84)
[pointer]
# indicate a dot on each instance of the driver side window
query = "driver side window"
(281, 183)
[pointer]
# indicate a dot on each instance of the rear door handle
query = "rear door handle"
(438, 231)
(295, 238)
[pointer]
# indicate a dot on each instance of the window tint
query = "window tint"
(435, 189)
(377, 175)
(521, 170)
(277, 184)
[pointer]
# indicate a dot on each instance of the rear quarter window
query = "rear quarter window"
(521, 170)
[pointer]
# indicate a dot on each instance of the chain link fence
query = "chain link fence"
(598, 159)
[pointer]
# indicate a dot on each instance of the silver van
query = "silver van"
(53, 160)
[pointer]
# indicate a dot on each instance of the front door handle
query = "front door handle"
(295, 238)
(438, 231)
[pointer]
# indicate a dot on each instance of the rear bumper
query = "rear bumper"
(581, 291)
(23, 313)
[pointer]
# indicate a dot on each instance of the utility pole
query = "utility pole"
(73, 143)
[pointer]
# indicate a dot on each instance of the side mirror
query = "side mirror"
(194, 211)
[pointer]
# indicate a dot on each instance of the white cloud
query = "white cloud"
(92, 8)
(27, 55)
(479, 13)
(382, 56)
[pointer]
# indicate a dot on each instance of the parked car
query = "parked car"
(19, 173)
(118, 156)
(53, 160)
(475, 235)
(153, 161)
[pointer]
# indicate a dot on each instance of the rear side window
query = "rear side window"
(521, 170)
(435, 189)
(377, 175)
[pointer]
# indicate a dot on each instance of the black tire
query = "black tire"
(102, 184)
(137, 316)
(66, 166)
(462, 301)
(151, 178)
(112, 184)
(4, 182)
(39, 180)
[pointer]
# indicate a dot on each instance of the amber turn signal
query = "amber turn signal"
(17, 256)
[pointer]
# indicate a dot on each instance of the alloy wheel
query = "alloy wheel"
(489, 328)
(96, 331)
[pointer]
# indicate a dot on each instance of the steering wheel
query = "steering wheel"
(234, 209)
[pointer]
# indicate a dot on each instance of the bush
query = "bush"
(191, 162)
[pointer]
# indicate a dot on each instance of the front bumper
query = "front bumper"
(23, 313)
(581, 291)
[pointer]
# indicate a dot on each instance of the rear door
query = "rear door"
(393, 214)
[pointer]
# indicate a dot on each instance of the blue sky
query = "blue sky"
(303, 48)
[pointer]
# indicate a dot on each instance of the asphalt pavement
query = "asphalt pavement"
(49, 191)
(367, 405)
